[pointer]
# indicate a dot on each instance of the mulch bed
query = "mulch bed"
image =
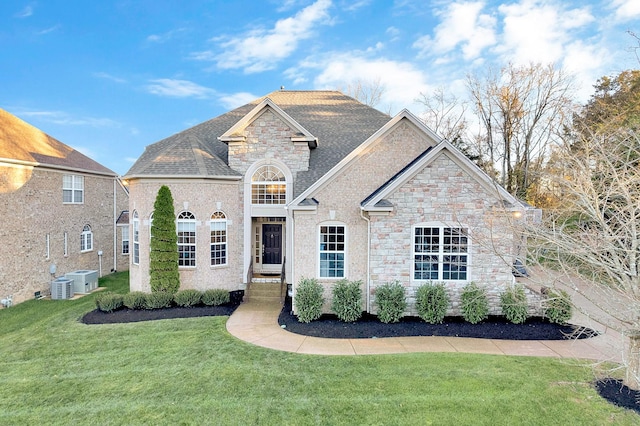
(492, 328)
(618, 394)
(136, 315)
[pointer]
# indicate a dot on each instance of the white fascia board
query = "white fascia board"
(233, 133)
(404, 114)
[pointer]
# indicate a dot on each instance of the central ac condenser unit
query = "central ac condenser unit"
(61, 288)
(84, 281)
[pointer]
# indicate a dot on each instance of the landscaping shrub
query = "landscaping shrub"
(309, 300)
(347, 300)
(215, 297)
(391, 302)
(134, 300)
(432, 302)
(474, 303)
(514, 304)
(187, 298)
(157, 300)
(557, 307)
(109, 302)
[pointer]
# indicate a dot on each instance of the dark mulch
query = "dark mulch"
(493, 328)
(137, 315)
(618, 394)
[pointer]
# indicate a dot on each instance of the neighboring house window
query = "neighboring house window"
(86, 239)
(440, 253)
(218, 239)
(332, 251)
(268, 186)
(136, 238)
(125, 240)
(72, 189)
(186, 227)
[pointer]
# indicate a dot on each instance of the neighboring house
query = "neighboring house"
(316, 184)
(58, 209)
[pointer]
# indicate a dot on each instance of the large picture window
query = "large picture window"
(268, 186)
(440, 253)
(186, 227)
(218, 239)
(72, 189)
(332, 251)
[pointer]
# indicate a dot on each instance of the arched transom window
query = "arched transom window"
(268, 186)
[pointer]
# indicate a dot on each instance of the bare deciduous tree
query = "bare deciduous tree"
(594, 234)
(369, 92)
(520, 110)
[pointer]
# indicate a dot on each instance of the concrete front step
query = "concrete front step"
(265, 291)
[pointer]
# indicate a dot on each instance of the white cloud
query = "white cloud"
(236, 100)
(179, 89)
(536, 31)
(626, 10)
(402, 81)
(462, 25)
(49, 30)
(164, 37)
(66, 119)
(25, 13)
(261, 49)
(355, 5)
(107, 76)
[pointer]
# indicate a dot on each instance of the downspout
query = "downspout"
(115, 227)
(368, 258)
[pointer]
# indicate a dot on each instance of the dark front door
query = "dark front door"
(271, 244)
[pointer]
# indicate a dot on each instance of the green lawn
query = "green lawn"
(55, 370)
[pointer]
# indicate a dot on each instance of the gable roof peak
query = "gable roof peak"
(301, 133)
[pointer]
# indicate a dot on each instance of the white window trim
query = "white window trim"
(86, 237)
(127, 239)
(193, 221)
(65, 247)
(226, 238)
(441, 226)
(345, 251)
(135, 224)
(77, 185)
(48, 247)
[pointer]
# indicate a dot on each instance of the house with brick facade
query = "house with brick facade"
(59, 210)
(315, 184)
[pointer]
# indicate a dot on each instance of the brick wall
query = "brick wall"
(32, 208)
(201, 198)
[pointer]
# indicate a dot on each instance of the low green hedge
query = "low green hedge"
(134, 300)
(109, 302)
(557, 306)
(514, 304)
(215, 297)
(474, 303)
(432, 302)
(391, 302)
(309, 300)
(187, 298)
(347, 300)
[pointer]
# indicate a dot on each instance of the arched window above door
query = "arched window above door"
(268, 186)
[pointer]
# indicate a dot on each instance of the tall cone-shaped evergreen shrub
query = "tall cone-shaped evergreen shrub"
(163, 259)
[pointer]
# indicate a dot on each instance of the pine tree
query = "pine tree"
(163, 259)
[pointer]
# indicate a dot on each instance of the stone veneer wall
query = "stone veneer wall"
(443, 192)
(342, 196)
(32, 207)
(268, 137)
(200, 197)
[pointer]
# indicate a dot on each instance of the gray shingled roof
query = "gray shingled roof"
(339, 122)
(22, 142)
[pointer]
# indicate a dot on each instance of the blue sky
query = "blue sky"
(109, 77)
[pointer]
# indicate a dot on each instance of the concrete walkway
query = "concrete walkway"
(256, 322)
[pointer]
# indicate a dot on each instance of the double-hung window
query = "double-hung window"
(440, 253)
(72, 189)
(218, 239)
(125, 240)
(332, 251)
(86, 239)
(136, 238)
(186, 227)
